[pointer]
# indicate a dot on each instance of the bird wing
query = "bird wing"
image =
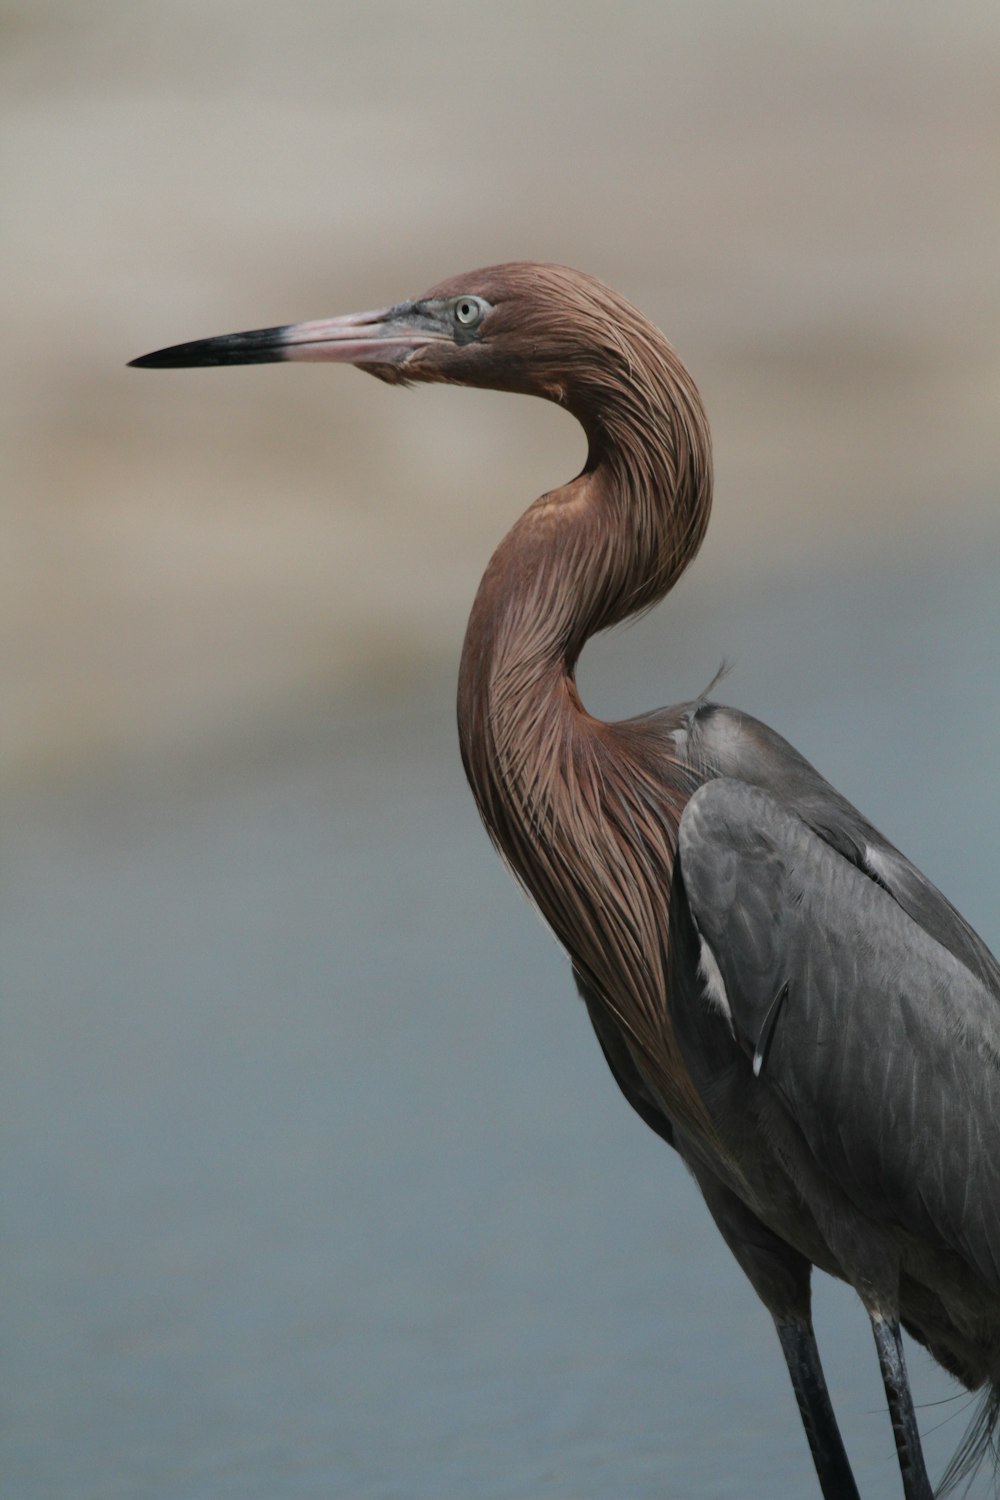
(726, 742)
(882, 1044)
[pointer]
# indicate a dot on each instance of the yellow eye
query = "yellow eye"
(468, 311)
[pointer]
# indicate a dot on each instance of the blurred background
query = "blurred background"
(315, 1182)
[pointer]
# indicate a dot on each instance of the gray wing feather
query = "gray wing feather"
(726, 742)
(886, 1046)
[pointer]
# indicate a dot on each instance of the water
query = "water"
(317, 1184)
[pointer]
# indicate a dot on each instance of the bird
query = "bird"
(778, 992)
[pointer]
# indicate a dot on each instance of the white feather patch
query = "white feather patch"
(715, 985)
(877, 863)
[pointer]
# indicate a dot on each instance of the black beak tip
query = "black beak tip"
(155, 361)
(263, 346)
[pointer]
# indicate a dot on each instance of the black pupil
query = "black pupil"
(465, 310)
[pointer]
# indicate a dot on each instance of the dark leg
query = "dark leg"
(916, 1485)
(798, 1344)
(780, 1276)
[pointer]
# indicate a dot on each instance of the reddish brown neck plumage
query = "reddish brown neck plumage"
(564, 795)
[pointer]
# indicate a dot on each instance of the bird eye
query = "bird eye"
(468, 311)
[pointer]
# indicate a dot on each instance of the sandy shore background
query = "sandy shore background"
(806, 199)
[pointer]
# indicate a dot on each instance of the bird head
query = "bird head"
(539, 329)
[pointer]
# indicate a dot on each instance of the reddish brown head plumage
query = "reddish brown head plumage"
(585, 813)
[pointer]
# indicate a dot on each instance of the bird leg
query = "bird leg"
(833, 1469)
(916, 1485)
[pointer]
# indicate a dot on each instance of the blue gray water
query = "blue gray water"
(316, 1182)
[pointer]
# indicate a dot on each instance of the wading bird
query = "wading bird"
(778, 992)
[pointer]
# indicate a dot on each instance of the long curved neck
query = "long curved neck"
(603, 547)
(561, 793)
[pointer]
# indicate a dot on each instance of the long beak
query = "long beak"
(386, 337)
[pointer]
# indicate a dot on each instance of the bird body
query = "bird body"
(779, 993)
